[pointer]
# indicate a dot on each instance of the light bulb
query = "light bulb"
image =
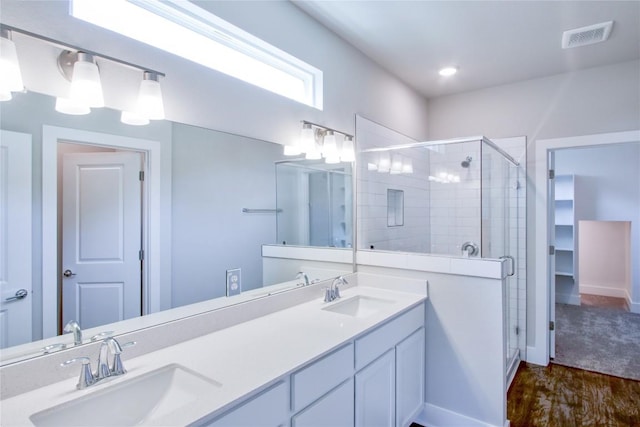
(307, 138)
(86, 88)
(407, 165)
(448, 71)
(10, 76)
(329, 146)
(396, 164)
(150, 103)
(384, 164)
(348, 153)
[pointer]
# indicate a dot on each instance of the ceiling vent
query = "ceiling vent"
(586, 35)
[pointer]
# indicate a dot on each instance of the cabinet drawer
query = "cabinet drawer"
(268, 409)
(335, 409)
(377, 342)
(317, 379)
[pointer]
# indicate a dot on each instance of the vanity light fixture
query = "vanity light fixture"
(407, 165)
(384, 163)
(396, 164)
(10, 76)
(80, 67)
(448, 71)
(318, 142)
(150, 103)
(69, 106)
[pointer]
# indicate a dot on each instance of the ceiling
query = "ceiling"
(491, 42)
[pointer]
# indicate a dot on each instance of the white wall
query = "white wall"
(607, 188)
(596, 100)
(202, 97)
(605, 258)
(210, 232)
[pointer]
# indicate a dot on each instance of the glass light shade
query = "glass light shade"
(150, 103)
(85, 84)
(329, 146)
(69, 106)
(10, 76)
(307, 138)
(134, 119)
(407, 166)
(332, 160)
(292, 150)
(348, 153)
(5, 96)
(396, 164)
(384, 164)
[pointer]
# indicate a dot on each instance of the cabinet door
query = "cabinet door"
(268, 409)
(410, 377)
(375, 393)
(335, 409)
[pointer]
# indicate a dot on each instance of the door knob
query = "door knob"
(68, 273)
(20, 293)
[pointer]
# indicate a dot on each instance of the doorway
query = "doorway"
(99, 234)
(544, 257)
(150, 212)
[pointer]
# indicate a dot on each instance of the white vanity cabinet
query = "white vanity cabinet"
(334, 409)
(376, 379)
(268, 409)
(390, 390)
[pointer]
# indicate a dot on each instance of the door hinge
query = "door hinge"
(552, 250)
(552, 173)
(141, 255)
(552, 325)
(141, 176)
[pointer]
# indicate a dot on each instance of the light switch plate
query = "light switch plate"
(234, 282)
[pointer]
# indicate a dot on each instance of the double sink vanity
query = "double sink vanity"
(351, 361)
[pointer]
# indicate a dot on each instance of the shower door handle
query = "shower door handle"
(513, 264)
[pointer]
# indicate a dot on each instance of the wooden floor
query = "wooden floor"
(558, 396)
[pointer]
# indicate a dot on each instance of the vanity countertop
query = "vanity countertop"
(242, 358)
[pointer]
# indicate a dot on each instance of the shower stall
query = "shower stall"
(457, 197)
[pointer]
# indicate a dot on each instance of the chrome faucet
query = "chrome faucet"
(332, 293)
(305, 276)
(73, 326)
(109, 363)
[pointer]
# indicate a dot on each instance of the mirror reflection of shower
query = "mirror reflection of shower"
(314, 203)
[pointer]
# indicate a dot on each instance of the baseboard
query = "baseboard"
(435, 416)
(568, 299)
(536, 355)
(634, 307)
(604, 291)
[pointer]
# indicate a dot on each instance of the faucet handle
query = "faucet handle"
(117, 368)
(86, 376)
(101, 336)
(328, 295)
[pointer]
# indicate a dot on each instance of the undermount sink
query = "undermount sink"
(359, 306)
(144, 399)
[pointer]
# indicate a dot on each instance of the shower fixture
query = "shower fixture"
(466, 162)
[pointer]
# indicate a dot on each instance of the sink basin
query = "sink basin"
(359, 306)
(144, 399)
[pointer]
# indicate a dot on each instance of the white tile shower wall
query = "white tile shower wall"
(455, 206)
(373, 230)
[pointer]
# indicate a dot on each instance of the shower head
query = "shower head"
(466, 162)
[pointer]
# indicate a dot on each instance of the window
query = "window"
(191, 32)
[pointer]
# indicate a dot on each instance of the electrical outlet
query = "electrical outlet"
(234, 283)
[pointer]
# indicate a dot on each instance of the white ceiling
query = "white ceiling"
(491, 42)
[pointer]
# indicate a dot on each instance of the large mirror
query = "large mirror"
(201, 229)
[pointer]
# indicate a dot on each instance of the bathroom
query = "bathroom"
(204, 106)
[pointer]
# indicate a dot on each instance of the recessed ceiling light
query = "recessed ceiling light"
(448, 71)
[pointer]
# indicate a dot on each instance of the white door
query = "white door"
(551, 239)
(376, 393)
(15, 238)
(101, 232)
